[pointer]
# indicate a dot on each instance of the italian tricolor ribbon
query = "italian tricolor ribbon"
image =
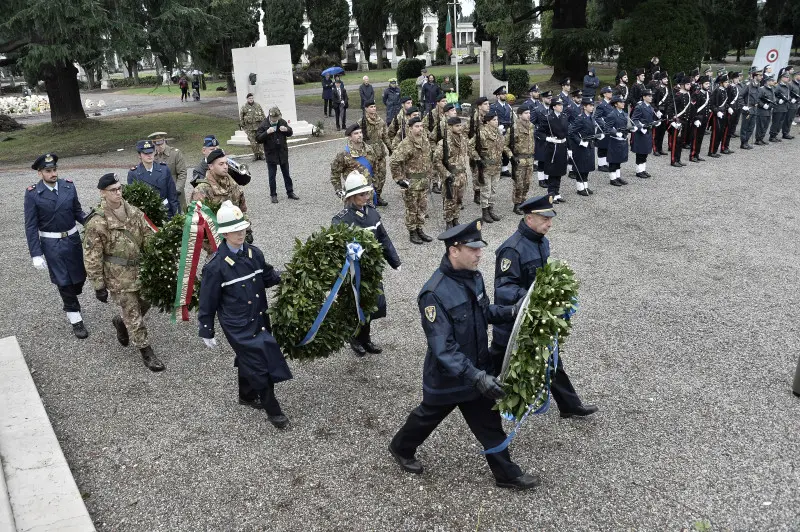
(200, 225)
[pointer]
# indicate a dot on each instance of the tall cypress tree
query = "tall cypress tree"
(283, 24)
(330, 24)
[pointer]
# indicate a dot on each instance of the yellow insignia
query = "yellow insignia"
(364, 180)
(430, 313)
(478, 225)
(48, 158)
(250, 252)
(505, 264)
(230, 261)
(237, 213)
(550, 198)
(359, 213)
(147, 145)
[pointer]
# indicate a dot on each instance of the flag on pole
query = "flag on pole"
(448, 30)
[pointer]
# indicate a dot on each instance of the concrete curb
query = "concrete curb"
(41, 491)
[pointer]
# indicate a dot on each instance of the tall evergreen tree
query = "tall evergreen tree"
(283, 24)
(372, 17)
(407, 15)
(172, 25)
(330, 24)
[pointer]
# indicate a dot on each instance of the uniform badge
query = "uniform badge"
(430, 313)
(478, 225)
(359, 213)
(48, 158)
(505, 264)
(237, 213)
(230, 261)
(250, 253)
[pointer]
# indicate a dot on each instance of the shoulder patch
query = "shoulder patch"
(68, 180)
(430, 313)
(133, 168)
(32, 187)
(505, 264)
(250, 252)
(230, 261)
(341, 214)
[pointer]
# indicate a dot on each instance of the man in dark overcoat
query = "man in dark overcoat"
(273, 132)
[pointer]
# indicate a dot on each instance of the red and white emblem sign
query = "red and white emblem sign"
(772, 55)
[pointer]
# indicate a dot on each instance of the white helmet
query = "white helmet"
(230, 218)
(356, 183)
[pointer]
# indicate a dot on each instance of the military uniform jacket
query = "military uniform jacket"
(794, 95)
(458, 152)
(719, 101)
(521, 141)
(412, 160)
(701, 107)
(368, 218)
(766, 97)
(491, 147)
(161, 180)
(344, 163)
(174, 160)
(643, 115)
(583, 126)
(398, 126)
(376, 134)
(748, 97)
(233, 288)
(439, 129)
(251, 116)
(555, 155)
(50, 213)
(617, 122)
(112, 247)
(733, 91)
(624, 91)
(636, 94)
(517, 260)
(781, 91)
(661, 98)
(199, 171)
(503, 112)
(455, 314)
(219, 190)
(601, 111)
(678, 109)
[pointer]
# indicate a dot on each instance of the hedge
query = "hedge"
(409, 69)
(517, 78)
(408, 87)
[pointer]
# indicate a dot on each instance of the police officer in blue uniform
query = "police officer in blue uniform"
(52, 209)
(358, 212)
(643, 118)
(580, 130)
(234, 286)
(518, 258)
(601, 111)
(505, 117)
(156, 175)
(458, 369)
(539, 121)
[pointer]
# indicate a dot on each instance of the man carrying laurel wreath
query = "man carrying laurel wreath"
(518, 258)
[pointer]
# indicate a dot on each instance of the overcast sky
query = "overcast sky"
(467, 6)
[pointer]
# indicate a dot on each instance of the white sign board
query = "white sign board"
(773, 50)
(272, 66)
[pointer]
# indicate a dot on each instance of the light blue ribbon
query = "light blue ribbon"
(351, 265)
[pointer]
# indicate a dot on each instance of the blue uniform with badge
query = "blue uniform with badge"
(160, 179)
(234, 289)
(51, 230)
(455, 313)
(643, 115)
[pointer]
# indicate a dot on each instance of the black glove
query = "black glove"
(101, 295)
(248, 237)
(514, 160)
(517, 306)
(480, 164)
(489, 386)
(404, 184)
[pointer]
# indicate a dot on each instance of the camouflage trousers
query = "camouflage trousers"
(379, 169)
(453, 206)
(416, 201)
(257, 147)
(133, 310)
(522, 183)
(491, 176)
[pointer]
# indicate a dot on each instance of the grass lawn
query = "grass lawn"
(102, 135)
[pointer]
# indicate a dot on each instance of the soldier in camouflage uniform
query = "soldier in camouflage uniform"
(219, 186)
(412, 169)
(482, 106)
(116, 233)
(520, 140)
(398, 123)
(488, 148)
(250, 117)
(356, 156)
(411, 112)
(174, 160)
(451, 159)
(375, 133)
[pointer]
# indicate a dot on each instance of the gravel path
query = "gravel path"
(687, 338)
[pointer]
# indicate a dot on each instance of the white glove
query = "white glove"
(550, 139)
(766, 106)
(696, 123)
(780, 101)
(730, 110)
(602, 136)
(569, 153)
(501, 128)
(745, 108)
(211, 343)
(635, 129)
(719, 114)
(658, 114)
(619, 135)
(585, 144)
(39, 263)
(794, 100)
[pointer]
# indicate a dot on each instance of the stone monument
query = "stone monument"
(266, 71)
(488, 83)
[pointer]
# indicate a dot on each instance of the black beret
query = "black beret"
(481, 101)
(107, 180)
(565, 81)
(638, 72)
(411, 110)
(352, 128)
(449, 106)
(489, 116)
(48, 160)
(405, 99)
(369, 102)
(453, 120)
(249, 94)
(414, 120)
(522, 108)
(441, 96)
(214, 155)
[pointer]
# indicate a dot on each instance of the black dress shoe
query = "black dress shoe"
(788, 137)
(647, 174)
(682, 163)
(424, 236)
(573, 175)
(505, 173)
(122, 331)
(516, 209)
(621, 181)
(699, 159)
(714, 155)
(382, 202)
(581, 411)
(726, 151)
(356, 346)
(582, 193)
(274, 199)
(411, 465)
(280, 421)
(615, 183)
(372, 348)
(677, 164)
(543, 183)
(589, 190)
(693, 160)
(760, 142)
(745, 147)
(525, 481)
(663, 153)
(657, 154)
(292, 195)
(252, 403)
(603, 168)
(79, 330)
(642, 175)
(734, 136)
(436, 189)
(774, 139)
